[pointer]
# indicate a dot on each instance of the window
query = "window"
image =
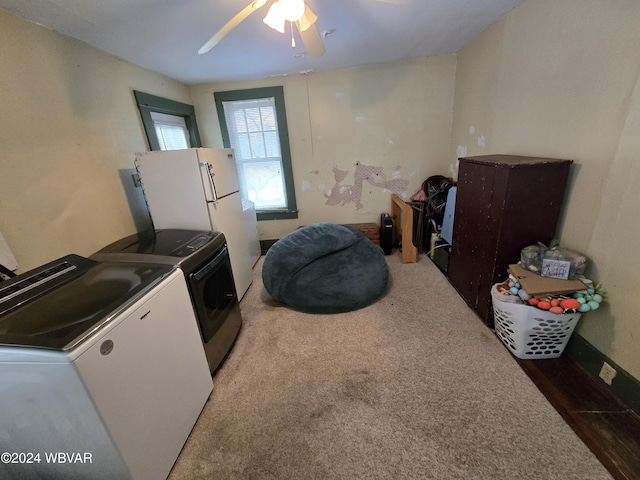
(254, 124)
(169, 125)
(171, 131)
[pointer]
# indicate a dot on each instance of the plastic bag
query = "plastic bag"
(554, 261)
(563, 263)
(531, 257)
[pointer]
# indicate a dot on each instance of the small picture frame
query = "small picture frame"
(555, 268)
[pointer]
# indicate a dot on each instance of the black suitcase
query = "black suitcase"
(386, 233)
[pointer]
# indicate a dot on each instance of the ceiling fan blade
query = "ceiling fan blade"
(230, 25)
(308, 18)
(312, 41)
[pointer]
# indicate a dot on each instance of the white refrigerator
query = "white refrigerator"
(198, 189)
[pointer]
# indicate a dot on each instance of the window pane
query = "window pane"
(253, 133)
(253, 119)
(257, 145)
(271, 143)
(268, 118)
(250, 121)
(171, 131)
(158, 113)
(242, 147)
(264, 184)
(239, 121)
(172, 137)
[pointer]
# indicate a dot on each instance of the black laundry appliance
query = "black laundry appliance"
(204, 259)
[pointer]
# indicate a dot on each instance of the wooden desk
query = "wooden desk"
(402, 216)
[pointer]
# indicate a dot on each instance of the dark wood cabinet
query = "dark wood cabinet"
(503, 204)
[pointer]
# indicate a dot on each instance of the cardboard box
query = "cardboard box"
(539, 286)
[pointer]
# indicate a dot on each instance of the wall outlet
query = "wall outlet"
(607, 373)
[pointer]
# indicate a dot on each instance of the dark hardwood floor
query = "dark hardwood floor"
(607, 427)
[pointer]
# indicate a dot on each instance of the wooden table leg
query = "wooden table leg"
(402, 216)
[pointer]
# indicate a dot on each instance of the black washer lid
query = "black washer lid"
(185, 249)
(60, 304)
(169, 242)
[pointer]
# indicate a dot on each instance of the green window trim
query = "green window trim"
(278, 94)
(148, 103)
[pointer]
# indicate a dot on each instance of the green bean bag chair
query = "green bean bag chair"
(325, 268)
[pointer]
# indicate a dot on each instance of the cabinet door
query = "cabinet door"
(533, 203)
(475, 231)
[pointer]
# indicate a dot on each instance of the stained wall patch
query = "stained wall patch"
(341, 194)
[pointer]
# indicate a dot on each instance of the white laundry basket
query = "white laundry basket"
(529, 332)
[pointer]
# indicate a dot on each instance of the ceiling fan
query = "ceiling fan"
(294, 11)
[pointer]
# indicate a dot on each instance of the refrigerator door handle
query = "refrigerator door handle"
(211, 193)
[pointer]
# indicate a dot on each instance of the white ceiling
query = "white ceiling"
(165, 35)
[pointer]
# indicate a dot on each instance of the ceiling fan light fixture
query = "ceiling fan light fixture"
(307, 19)
(283, 10)
(274, 18)
(292, 9)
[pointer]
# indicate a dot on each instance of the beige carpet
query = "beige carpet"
(413, 386)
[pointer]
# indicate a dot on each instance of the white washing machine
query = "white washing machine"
(102, 370)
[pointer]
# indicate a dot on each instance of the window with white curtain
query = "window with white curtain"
(253, 123)
(171, 131)
(169, 125)
(254, 137)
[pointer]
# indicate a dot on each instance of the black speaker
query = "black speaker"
(386, 233)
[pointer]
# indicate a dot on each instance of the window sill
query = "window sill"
(276, 215)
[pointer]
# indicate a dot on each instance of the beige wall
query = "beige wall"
(393, 119)
(559, 78)
(68, 133)
(70, 130)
